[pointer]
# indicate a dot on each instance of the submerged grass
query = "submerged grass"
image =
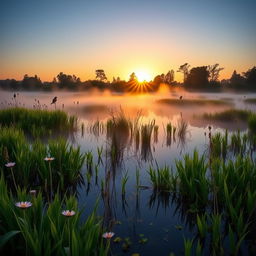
(37, 122)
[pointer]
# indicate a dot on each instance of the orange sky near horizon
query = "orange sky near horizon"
(121, 38)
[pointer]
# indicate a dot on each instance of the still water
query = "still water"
(152, 224)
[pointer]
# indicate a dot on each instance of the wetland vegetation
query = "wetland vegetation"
(117, 159)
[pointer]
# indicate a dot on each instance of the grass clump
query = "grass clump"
(42, 229)
(37, 122)
(146, 138)
(193, 183)
(31, 168)
(193, 102)
(251, 101)
(219, 145)
(252, 122)
(161, 179)
(229, 115)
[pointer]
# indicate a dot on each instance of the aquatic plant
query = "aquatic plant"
(108, 235)
(192, 180)
(161, 178)
(219, 145)
(146, 136)
(156, 127)
(229, 115)
(202, 225)
(188, 243)
(32, 170)
(168, 134)
(42, 230)
(37, 122)
(251, 100)
(123, 182)
(96, 128)
(252, 122)
(193, 102)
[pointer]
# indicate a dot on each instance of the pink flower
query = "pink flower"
(10, 165)
(23, 205)
(49, 159)
(32, 192)
(68, 213)
(108, 235)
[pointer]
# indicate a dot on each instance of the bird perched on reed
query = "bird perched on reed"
(54, 100)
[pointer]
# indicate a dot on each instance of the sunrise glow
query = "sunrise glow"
(143, 76)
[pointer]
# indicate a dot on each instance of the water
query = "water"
(162, 220)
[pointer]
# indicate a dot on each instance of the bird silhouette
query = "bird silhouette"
(180, 97)
(54, 100)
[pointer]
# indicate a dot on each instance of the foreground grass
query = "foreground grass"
(42, 229)
(226, 190)
(37, 122)
(31, 169)
(193, 102)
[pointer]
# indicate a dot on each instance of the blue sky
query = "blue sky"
(46, 37)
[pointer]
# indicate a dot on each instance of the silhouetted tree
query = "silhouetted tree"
(236, 79)
(214, 72)
(250, 76)
(185, 70)
(133, 77)
(54, 80)
(158, 80)
(169, 77)
(198, 77)
(100, 75)
(67, 80)
(31, 82)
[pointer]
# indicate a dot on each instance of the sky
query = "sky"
(121, 37)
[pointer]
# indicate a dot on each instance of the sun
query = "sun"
(143, 76)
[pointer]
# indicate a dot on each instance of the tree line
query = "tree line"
(202, 77)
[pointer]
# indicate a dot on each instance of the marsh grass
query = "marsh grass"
(31, 169)
(156, 128)
(161, 178)
(146, 138)
(192, 180)
(182, 132)
(219, 145)
(37, 122)
(96, 128)
(169, 130)
(251, 101)
(182, 129)
(123, 183)
(229, 115)
(252, 123)
(42, 230)
(193, 102)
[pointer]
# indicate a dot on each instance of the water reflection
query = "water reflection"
(116, 143)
